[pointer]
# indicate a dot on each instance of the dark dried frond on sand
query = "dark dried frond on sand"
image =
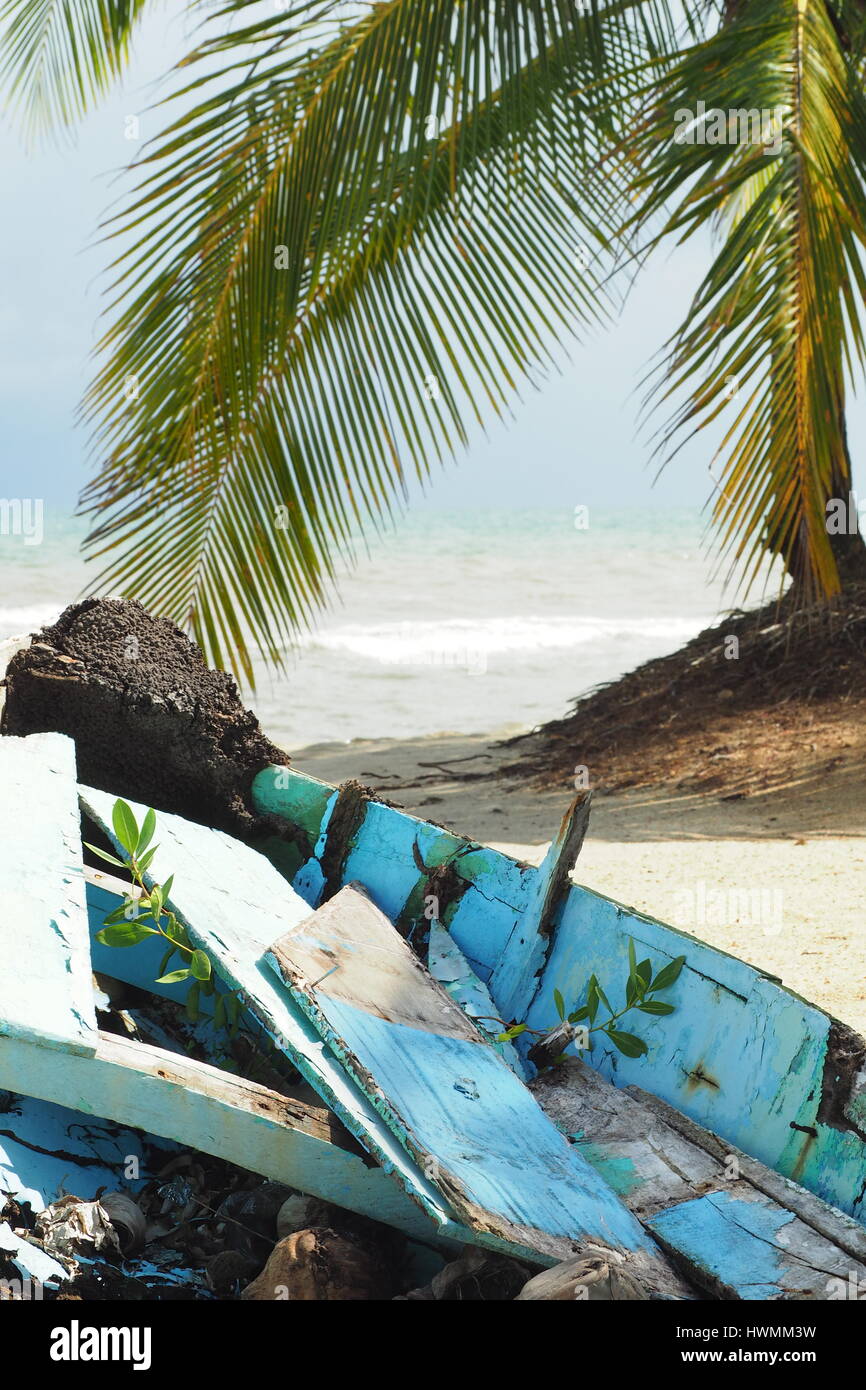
(718, 710)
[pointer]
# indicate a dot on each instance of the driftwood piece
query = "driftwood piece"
(592, 1281)
(321, 1266)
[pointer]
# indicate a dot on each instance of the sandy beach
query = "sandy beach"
(777, 879)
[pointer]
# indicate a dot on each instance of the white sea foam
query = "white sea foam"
(408, 642)
(15, 621)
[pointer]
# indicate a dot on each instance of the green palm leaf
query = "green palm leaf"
(60, 54)
(339, 259)
(778, 315)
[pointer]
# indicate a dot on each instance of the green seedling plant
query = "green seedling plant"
(144, 912)
(641, 987)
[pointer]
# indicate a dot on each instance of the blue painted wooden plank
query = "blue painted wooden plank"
(747, 1247)
(660, 1163)
(46, 1151)
(234, 903)
(449, 1097)
(450, 968)
(45, 986)
(736, 1033)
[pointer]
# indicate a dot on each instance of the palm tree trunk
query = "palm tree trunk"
(848, 545)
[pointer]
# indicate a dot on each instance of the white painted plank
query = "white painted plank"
(203, 1108)
(45, 981)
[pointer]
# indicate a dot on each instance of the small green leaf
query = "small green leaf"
(579, 1015)
(560, 1004)
(219, 1013)
(655, 1006)
(146, 860)
(103, 854)
(627, 1043)
(166, 888)
(632, 958)
(146, 835)
(119, 913)
(513, 1032)
(165, 960)
(174, 977)
(129, 935)
(603, 997)
(645, 974)
(156, 901)
(125, 825)
(200, 965)
(592, 998)
(669, 974)
(192, 1011)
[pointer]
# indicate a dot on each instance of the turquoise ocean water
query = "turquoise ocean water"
(479, 622)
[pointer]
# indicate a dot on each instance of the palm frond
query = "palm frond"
(58, 55)
(774, 329)
(339, 259)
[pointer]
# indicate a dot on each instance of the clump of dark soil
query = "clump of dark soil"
(149, 719)
(738, 708)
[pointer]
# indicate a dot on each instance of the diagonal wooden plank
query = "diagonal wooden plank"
(46, 992)
(450, 1098)
(201, 1107)
(234, 903)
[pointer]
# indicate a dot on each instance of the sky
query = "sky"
(575, 441)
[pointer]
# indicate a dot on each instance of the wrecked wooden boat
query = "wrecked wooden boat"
(743, 1056)
(372, 950)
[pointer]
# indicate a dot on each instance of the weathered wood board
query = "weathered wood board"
(745, 1246)
(450, 1098)
(738, 1230)
(49, 995)
(737, 1032)
(200, 1107)
(514, 981)
(741, 1055)
(234, 903)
